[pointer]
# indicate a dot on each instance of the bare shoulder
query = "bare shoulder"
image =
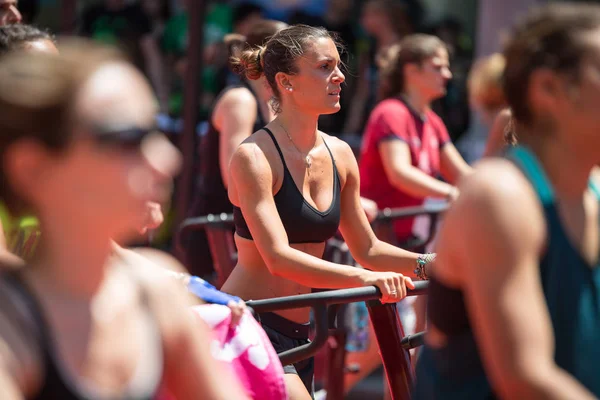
(233, 101)
(497, 215)
(252, 156)
(256, 157)
(239, 96)
(497, 201)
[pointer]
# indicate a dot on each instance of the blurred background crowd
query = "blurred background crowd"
(155, 35)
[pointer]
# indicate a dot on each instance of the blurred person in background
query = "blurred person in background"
(487, 99)
(9, 12)
(125, 24)
(406, 147)
(222, 18)
(158, 12)
(453, 108)
(386, 22)
(485, 87)
(78, 150)
(239, 111)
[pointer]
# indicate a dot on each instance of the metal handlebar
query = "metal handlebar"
(319, 303)
(222, 219)
(225, 219)
(388, 214)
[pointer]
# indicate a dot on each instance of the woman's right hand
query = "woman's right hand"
(391, 284)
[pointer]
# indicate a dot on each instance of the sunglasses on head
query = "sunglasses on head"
(129, 139)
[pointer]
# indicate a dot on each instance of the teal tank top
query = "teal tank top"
(572, 292)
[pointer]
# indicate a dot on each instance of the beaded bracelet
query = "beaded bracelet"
(422, 261)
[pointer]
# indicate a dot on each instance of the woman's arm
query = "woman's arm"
(396, 159)
(190, 370)
(366, 249)
(453, 166)
(234, 117)
(492, 240)
(252, 189)
(8, 387)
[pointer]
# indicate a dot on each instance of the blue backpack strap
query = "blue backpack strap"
(532, 169)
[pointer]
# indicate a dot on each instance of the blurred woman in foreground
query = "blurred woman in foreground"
(514, 306)
(78, 151)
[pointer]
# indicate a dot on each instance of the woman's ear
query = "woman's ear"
(410, 70)
(25, 166)
(548, 90)
(284, 82)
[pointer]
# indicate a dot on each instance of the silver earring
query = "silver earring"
(289, 89)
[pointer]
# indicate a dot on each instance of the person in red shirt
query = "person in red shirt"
(406, 146)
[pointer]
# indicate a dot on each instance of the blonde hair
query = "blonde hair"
(485, 82)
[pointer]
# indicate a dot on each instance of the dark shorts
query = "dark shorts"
(285, 335)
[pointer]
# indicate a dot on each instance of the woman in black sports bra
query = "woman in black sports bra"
(293, 186)
(82, 321)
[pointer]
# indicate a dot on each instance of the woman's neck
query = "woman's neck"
(569, 177)
(71, 260)
(263, 94)
(416, 101)
(302, 128)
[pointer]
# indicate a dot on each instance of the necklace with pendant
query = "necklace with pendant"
(307, 158)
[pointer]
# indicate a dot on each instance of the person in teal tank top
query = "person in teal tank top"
(514, 300)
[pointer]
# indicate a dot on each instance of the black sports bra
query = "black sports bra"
(303, 223)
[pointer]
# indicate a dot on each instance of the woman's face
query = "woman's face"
(373, 18)
(431, 77)
(573, 104)
(116, 163)
(316, 87)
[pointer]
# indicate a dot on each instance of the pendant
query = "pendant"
(308, 161)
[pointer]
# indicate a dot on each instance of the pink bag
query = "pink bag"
(247, 349)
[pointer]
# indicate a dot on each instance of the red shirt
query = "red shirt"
(393, 119)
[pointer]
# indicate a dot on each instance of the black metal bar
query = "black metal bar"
(197, 223)
(192, 94)
(335, 363)
(384, 215)
(406, 212)
(413, 341)
(340, 296)
(308, 350)
(396, 360)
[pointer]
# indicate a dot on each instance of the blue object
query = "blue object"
(209, 293)
(358, 329)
